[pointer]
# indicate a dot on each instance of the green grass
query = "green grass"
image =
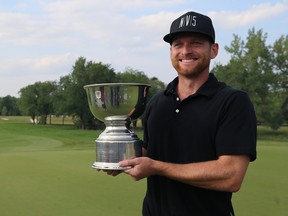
(264, 191)
(45, 170)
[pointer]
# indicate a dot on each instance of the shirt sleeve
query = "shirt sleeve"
(237, 131)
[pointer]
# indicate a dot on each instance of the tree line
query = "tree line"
(256, 67)
(67, 96)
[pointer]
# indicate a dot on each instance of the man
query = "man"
(199, 134)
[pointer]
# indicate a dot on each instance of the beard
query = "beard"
(193, 71)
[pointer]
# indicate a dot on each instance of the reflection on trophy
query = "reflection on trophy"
(116, 104)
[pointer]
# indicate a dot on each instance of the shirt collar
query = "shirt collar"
(209, 88)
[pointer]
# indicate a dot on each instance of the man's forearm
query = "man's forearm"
(224, 174)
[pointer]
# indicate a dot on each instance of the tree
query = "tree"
(9, 106)
(280, 62)
(252, 69)
(36, 100)
(136, 76)
(60, 100)
(45, 99)
(73, 95)
(28, 101)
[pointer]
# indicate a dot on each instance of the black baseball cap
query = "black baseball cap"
(191, 22)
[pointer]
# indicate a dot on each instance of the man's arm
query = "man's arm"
(224, 174)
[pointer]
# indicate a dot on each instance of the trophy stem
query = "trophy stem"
(116, 143)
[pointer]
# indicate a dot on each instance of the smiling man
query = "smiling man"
(199, 134)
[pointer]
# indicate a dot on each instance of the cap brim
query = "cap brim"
(170, 37)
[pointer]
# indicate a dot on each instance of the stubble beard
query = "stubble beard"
(194, 72)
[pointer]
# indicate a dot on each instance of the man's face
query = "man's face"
(191, 54)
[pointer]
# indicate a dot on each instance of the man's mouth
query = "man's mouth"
(187, 60)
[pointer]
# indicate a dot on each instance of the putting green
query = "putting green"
(15, 143)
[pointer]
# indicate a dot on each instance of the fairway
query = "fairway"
(45, 171)
(62, 183)
(264, 191)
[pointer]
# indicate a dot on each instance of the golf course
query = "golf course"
(45, 170)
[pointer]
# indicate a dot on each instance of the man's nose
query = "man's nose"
(187, 49)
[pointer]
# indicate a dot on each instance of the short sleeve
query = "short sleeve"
(237, 131)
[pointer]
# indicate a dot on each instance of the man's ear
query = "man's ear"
(214, 50)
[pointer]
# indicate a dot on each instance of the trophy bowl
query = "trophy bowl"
(116, 104)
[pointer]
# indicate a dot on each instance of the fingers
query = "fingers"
(125, 163)
(129, 163)
(127, 166)
(127, 171)
(111, 172)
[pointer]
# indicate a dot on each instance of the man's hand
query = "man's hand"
(141, 167)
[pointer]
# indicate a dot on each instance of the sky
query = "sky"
(40, 40)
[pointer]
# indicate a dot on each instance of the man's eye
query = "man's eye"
(197, 42)
(177, 44)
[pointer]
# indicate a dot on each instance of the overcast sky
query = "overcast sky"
(40, 40)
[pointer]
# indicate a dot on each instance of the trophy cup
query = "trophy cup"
(116, 104)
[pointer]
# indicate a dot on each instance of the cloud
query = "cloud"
(48, 64)
(50, 61)
(108, 5)
(42, 39)
(254, 14)
(15, 27)
(78, 23)
(16, 73)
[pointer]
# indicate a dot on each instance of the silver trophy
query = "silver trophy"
(116, 104)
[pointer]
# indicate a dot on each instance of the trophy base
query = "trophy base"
(108, 166)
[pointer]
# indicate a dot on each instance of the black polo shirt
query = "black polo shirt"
(216, 120)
